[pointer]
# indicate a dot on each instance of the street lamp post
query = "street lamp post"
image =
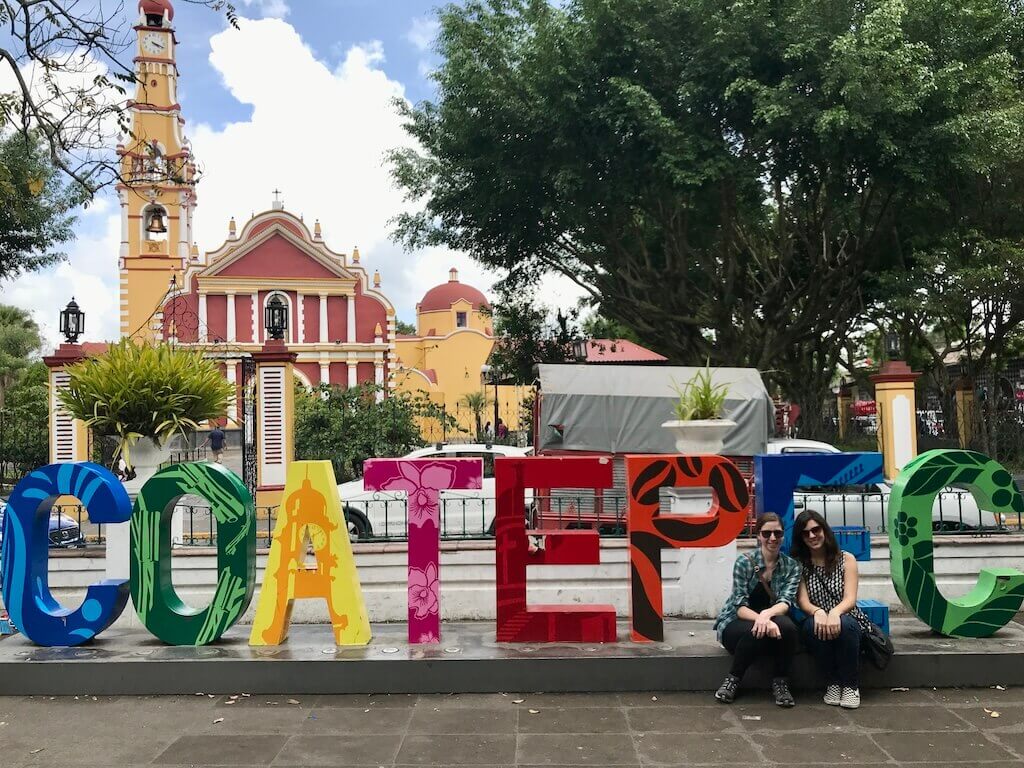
(72, 322)
(485, 371)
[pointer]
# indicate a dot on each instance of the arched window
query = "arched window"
(154, 222)
(289, 334)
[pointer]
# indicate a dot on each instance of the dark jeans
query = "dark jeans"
(746, 649)
(839, 659)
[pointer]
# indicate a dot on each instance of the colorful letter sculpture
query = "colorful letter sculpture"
(310, 505)
(518, 622)
(999, 592)
(26, 544)
(157, 603)
(423, 480)
(650, 531)
(776, 477)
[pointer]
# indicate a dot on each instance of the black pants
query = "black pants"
(746, 649)
(838, 659)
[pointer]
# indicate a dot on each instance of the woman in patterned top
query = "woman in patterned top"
(828, 595)
(753, 622)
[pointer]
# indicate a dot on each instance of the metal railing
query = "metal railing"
(384, 518)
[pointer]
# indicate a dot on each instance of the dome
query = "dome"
(157, 8)
(441, 297)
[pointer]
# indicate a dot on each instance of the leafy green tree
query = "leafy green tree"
(476, 402)
(405, 328)
(24, 424)
(348, 426)
(528, 334)
(35, 207)
(596, 326)
(19, 342)
(723, 181)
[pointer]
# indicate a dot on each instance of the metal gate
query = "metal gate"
(250, 429)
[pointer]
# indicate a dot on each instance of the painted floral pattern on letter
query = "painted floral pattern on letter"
(424, 591)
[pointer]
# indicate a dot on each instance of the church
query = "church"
(341, 326)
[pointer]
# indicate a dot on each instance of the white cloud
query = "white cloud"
(269, 8)
(320, 135)
(422, 33)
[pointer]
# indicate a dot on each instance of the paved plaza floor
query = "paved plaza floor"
(971, 727)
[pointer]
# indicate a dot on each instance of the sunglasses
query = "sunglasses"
(772, 534)
(810, 533)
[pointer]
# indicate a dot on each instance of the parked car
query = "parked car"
(463, 512)
(65, 533)
(867, 505)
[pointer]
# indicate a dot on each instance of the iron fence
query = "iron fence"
(384, 518)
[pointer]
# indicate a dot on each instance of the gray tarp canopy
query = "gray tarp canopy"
(620, 408)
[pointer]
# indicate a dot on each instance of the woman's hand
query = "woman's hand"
(765, 627)
(821, 624)
(833, 624)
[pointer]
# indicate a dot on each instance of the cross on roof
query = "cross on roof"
(277, 195)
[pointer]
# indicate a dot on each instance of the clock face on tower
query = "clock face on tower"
(154, 44)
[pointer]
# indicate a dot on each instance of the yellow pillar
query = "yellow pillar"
(69, 438)
(965, 412)
(843, 401)
(897, 415)
(275, 420)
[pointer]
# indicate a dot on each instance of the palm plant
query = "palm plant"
(477, 404)
(700, 398)
(153, 391)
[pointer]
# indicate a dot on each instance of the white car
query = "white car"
(463, 512)
(867, 505)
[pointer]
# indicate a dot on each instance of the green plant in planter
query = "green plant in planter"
(153, 391)
(700, 398)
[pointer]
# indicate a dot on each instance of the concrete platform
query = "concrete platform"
(132, 662)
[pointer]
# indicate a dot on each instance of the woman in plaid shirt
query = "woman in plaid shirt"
(753, 622)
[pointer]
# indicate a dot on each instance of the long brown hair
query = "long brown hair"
(799, 548)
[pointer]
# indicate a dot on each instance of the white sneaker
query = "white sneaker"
(850, 698)
(833, 695)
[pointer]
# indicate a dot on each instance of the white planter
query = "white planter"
(146, 460)
(703, 436)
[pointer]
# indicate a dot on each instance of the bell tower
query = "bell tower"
(157, 189)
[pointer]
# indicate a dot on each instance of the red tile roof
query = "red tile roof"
(620, 351)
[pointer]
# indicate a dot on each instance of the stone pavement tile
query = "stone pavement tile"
(85, 749)
(803, 748)
(1011, 717)
(351, 720)
(458, 749)
(929, 747)
(978, 696)
(576, 749)
(889, 696)
(264, 701)
(689, 748)
(466, 700)
(333, 750)
(813, 717)
(462, 720)
(359, 700)
(1012, 741)
(223, 749)
(538, 700)
(667, 699)
(255, 720)
(573, 720)
(681, 719)
(890, 718)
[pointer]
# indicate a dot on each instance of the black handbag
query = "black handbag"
(876, 646)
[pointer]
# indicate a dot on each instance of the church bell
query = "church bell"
(156, 223)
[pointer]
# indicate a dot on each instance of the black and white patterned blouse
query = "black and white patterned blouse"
(825, 588)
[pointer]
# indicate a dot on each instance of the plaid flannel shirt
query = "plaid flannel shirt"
(745, 574)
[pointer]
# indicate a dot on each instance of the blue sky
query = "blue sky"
(328, 27)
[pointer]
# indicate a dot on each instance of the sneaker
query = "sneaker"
(780, 690)
(726, 692)
(833, 694)
(850, 698)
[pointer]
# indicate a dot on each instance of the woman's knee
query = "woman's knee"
(848, 624)
(785, 625)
